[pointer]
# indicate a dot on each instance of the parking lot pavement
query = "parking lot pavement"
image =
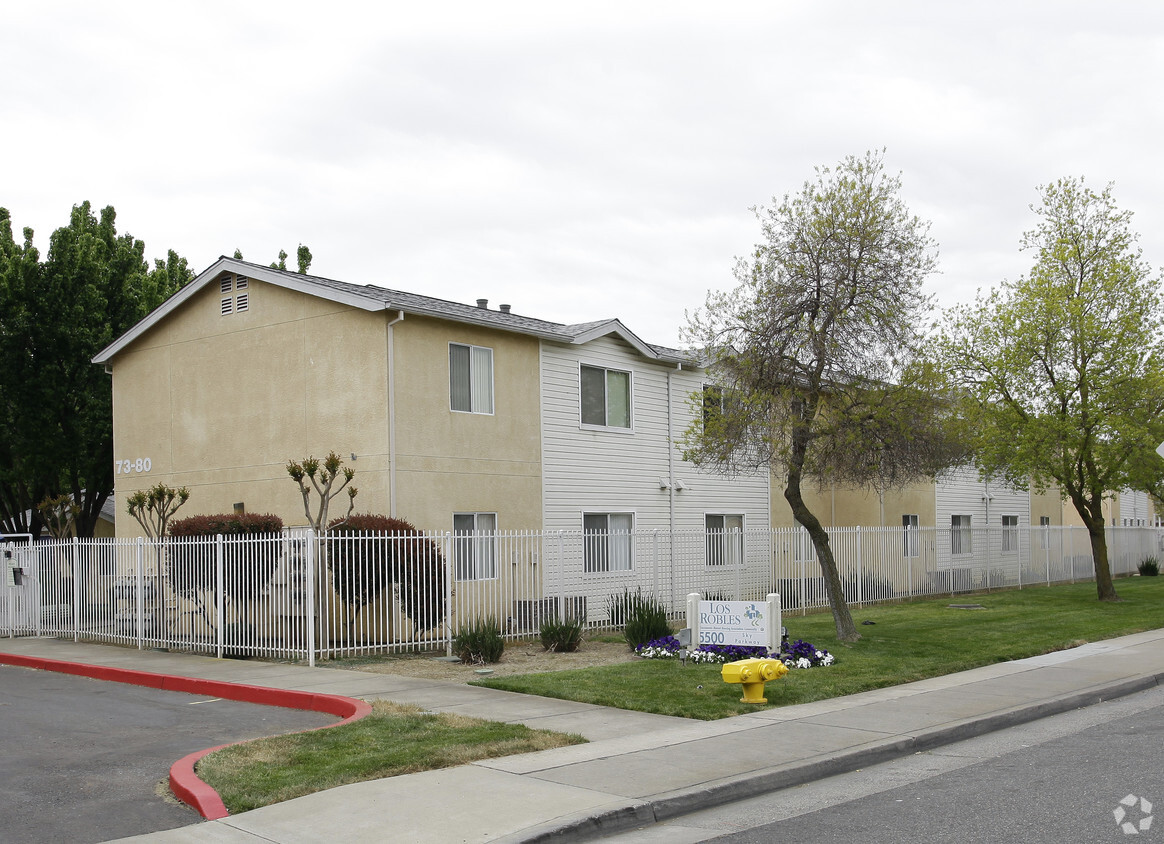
(81, 759)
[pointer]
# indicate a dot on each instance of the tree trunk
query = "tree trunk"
(846, 629)
(1091, 511)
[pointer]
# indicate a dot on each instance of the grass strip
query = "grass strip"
(902, 643)
(395, 739)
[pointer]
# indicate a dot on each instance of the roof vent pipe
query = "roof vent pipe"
(483, 304)
(504, 308)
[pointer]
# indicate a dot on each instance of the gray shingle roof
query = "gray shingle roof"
(370, 297)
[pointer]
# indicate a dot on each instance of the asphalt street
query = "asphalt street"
(81, 759)
(1054, 780)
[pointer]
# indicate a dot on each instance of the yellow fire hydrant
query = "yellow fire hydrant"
(752, 674)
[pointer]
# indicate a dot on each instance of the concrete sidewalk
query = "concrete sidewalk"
(637, 768)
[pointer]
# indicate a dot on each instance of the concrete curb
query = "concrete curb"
(685, 801)
(186, 784)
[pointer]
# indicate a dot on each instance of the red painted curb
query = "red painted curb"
(183, 781)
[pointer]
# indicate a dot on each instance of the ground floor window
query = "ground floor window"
(960, 535)
(475, 545)
(1045, 535)
(725, 539)
(909, 539)
(608, 541)
(1010, 536)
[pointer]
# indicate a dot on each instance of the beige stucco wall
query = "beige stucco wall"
(846, 507)
(219, 404)
(450, 462)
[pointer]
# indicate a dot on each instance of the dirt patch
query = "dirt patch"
(519, 658)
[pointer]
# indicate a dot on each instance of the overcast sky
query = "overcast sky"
(578, 161)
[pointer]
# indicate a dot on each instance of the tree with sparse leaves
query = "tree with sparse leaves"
(817, 352)
(1064, 368)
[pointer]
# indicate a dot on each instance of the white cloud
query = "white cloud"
(578, 161)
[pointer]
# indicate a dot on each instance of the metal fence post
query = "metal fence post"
(220, 589)
(139, 589)
(76, 613)
(860, 560)
(448, 596)
(309, 585)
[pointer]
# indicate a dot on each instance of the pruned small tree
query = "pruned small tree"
(59, 515)
(817, 351)
(154, 507)
(317, 480)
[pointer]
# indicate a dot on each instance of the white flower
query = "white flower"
(803, 662)
(827, 660)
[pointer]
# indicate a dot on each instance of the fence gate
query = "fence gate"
(20, 590)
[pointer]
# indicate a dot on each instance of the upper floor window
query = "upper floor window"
(725, 539)
(606, 397)
(470, 378)
(475, 545)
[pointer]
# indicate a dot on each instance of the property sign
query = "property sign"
(733, 623)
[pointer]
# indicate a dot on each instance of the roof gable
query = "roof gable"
(372, 298)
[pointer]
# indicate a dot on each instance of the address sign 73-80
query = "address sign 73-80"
(129, 467)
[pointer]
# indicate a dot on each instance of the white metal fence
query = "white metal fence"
(299, 596)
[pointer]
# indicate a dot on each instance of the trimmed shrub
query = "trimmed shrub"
(646, 619)
(479, 642)
(247, 566)
(1149, 567)
(368, 553)
(562, 635)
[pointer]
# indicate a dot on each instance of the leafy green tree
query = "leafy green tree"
(1063, 367)
(56, 408)
(816, 351)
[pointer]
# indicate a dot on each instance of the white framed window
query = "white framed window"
(605, 397)
(470, 378)
(475, 545)
(1010, 534)
(608, 542)
(909, 535)
(725, 539)
(1045, 533)
(960, 535)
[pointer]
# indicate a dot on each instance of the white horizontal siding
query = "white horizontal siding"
(612, 470)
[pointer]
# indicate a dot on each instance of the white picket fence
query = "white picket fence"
(299, 596)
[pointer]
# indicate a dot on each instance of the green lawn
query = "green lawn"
(394, 739)
(904, 642)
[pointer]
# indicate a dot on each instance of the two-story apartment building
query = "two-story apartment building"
(460, 418)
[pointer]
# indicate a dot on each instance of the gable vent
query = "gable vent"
(227, 305)
(241, 302)
(241, 282)
(224, 284)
